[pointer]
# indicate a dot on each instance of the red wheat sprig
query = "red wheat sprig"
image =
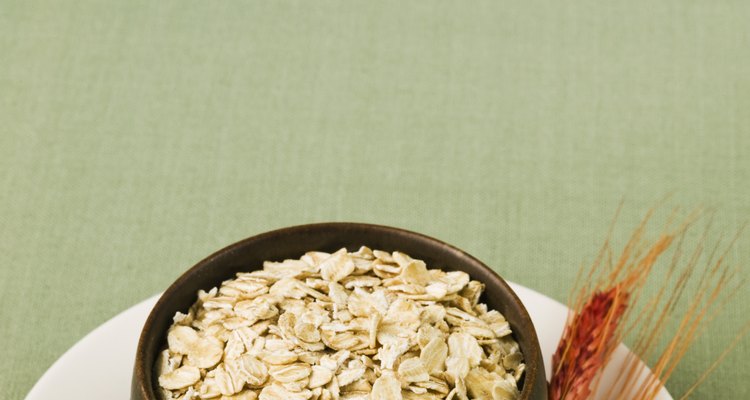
(603, 312)
(588, 340)
(595, 326)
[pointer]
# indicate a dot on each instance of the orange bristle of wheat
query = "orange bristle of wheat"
(716, 286)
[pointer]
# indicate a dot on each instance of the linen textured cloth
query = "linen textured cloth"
(137, 137)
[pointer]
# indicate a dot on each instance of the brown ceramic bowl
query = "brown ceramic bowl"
(293, 242)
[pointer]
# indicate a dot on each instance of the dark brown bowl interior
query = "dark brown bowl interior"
(293, 242)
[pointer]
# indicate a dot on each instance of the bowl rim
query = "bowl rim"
(142, 381)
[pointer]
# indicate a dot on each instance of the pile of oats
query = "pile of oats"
(357, 326)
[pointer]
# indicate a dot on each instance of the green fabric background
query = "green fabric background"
(137, 137)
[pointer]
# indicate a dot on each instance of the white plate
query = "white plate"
(100, 365)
